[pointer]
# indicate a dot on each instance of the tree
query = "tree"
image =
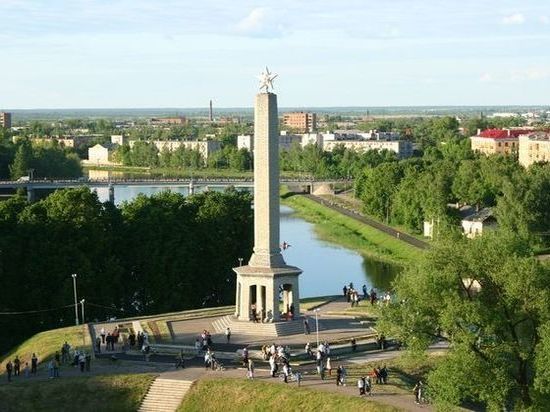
(22, 161)
(490, 299)
(469, 186)
(377, 187)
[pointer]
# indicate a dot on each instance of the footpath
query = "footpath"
(411, 240)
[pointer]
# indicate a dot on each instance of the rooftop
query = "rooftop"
(481, 216)
(502, 133)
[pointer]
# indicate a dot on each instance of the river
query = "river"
(326, 266)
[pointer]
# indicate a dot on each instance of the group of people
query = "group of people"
(352, 295)
(66, 355)
(204, 341)
(278, 357)
(13, 368)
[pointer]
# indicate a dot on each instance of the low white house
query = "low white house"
(475, 224)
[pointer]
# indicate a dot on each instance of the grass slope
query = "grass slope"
(348, 232)
(117, 393)
(45, 344)
(241, 395)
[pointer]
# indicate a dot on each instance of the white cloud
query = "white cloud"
(545, 19)
(486, 77)
(516, 18)
(530, 73)
(260, 22)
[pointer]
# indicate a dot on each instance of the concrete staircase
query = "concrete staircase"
(164, 395)
(294, 327)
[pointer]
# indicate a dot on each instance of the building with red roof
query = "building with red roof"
(497, 141)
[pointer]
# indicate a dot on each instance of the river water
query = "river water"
(326, 266)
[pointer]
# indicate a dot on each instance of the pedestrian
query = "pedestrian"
(56, 365)
(245, 356)
(50, 369)
(98, 344)
(207, 359)
(82, 361)
(228, 334)
(329, 367)
(365, 291)
(88, 361)
(384, 375)
(339, 375)
(34, 364)
(307, 331)
(361, 385)
(16, 366)
(345, 290)
(250, 369)
(286, 372)
(102, 334)
(353, 345)
(272, 366)
(344, 375)
(26, 370)
(368, 386)
(418, 389)
(9, 370)
(132, 338)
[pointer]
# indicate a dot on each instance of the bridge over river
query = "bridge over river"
(314, 186)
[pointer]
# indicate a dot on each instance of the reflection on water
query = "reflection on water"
(326, 267)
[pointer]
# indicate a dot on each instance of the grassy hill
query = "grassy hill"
(116, 393)
(45, 344)
(239, 395)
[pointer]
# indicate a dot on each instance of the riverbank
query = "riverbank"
(343, 230)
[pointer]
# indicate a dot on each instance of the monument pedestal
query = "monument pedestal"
(258, 291)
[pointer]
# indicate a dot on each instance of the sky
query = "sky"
(182, 53)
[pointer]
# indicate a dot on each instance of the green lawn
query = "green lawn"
(241, 395)
(116, 393)
(45, 344)
(335, 227)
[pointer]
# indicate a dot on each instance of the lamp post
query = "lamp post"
(82, 307)
(240, 261)
(75, 300)
(317, 324)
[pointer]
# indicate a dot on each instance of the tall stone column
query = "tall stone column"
(267, 252)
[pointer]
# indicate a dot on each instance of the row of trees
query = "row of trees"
(153, 254)
(49, 161)
(146, 154)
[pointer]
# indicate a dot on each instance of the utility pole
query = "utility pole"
(82, 307)
(75, 300)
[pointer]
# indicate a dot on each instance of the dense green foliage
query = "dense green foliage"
(491, 300)
(154, 254)
(410, 191)
(49, 160)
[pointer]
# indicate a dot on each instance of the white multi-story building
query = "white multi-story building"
(402, 148)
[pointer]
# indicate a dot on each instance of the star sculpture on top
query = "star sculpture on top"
(266, 80)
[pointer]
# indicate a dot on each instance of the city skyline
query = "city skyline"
(141, 54)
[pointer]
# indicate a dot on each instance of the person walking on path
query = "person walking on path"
(329, 367)
(361, 385)
(9, 370)
(34, 364)
(228, 334)
(16, 366)
(307, 331)
(250, 369)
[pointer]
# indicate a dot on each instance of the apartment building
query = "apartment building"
(534, 147)
(302, 122)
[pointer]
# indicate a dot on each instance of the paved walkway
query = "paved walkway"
(411, 240)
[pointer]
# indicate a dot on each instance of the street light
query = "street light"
(317, 324)
(240, 261)
(82, 307)
(75, 300)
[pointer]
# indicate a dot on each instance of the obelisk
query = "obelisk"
(267, 276)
